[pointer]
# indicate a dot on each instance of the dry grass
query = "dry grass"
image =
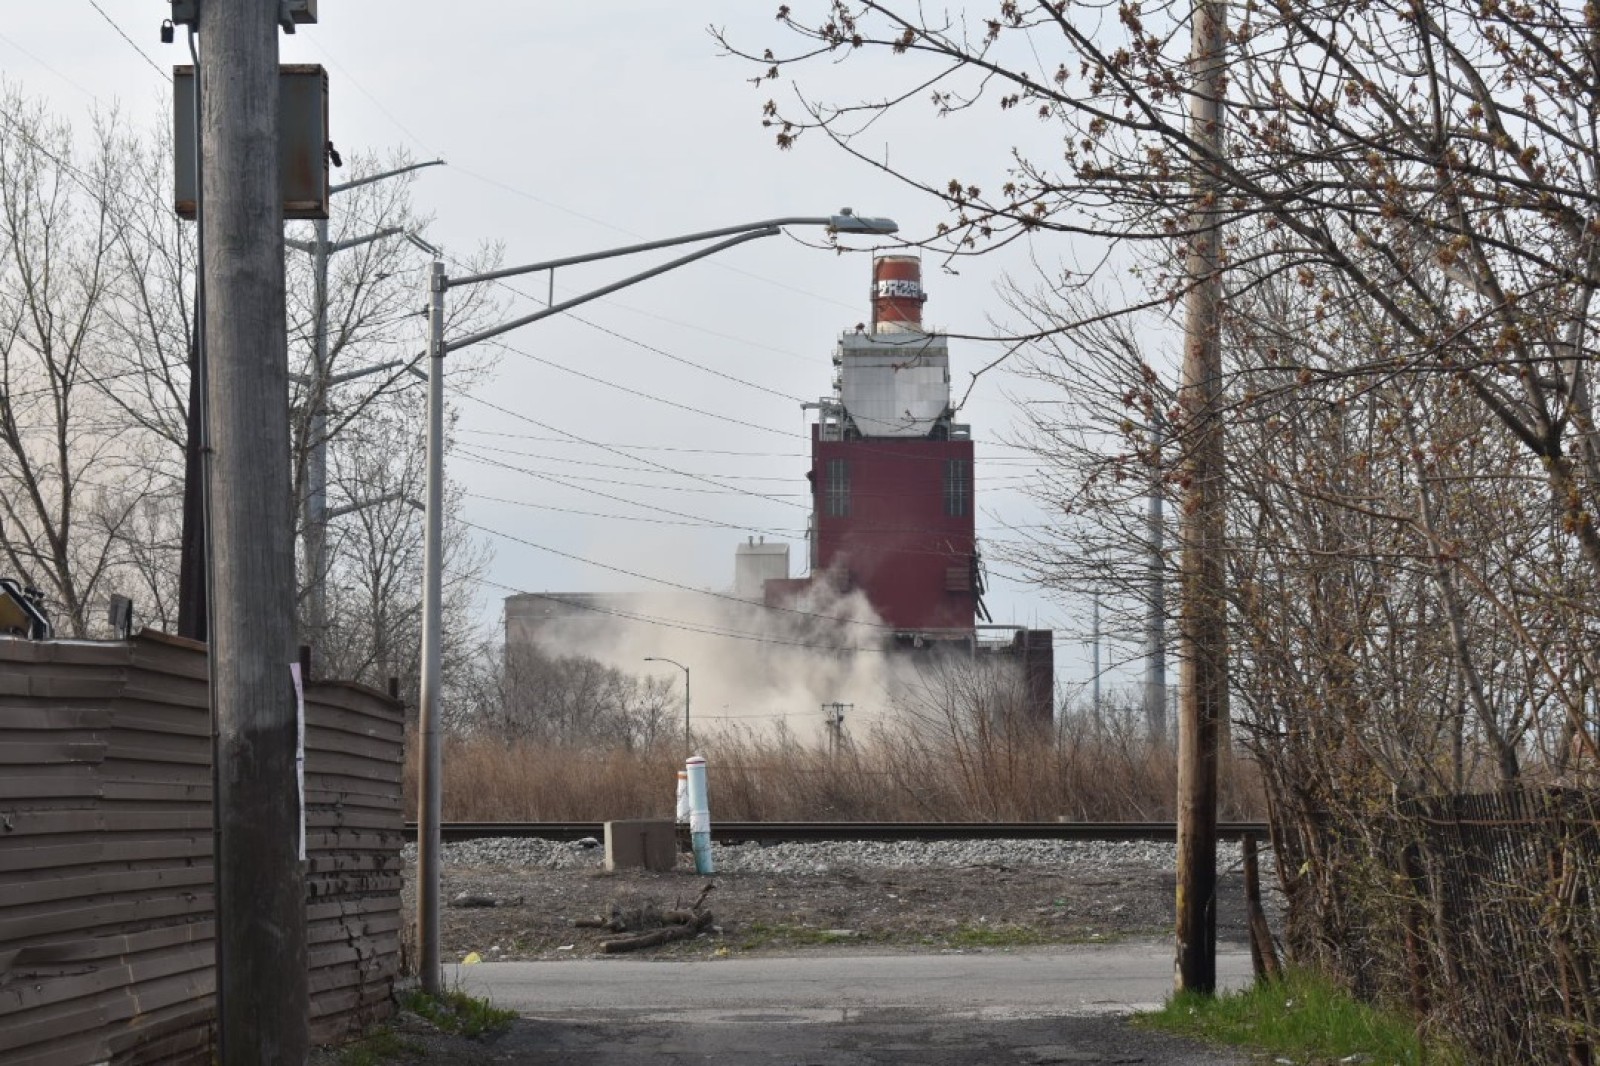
(1083, 772)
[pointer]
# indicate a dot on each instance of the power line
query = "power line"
(688, 627)
(142, 54)
(699, 523)
(689, 362)
(719, 490)
(693, 519)
(636, 469)
(787, 479)
(64, 78)
(644, 395)
(729, 597)
(992, 460)
(554, 479)
(660, 466)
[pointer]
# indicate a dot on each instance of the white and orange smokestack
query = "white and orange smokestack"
(897, 295)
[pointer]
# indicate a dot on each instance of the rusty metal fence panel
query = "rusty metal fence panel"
(106, 925)
(1507, 883)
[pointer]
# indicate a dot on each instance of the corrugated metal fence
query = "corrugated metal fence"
(106, 927)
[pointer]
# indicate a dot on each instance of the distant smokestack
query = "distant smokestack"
(897, 295)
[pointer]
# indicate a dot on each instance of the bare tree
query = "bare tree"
(70, 483)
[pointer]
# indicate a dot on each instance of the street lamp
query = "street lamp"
(429, 775)
(688, 744)
(315, 503)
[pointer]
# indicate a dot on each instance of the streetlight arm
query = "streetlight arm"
(368, 371)
(358, 182)
(844, 222)
(688, 742)
(329, 247)
(354, 242)
(606, 290)
(362, 505)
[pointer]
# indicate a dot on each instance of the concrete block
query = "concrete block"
(652, 845)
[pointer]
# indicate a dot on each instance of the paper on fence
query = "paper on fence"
(300, 750)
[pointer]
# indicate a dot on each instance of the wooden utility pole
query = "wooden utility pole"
(1203, 617)
(260, 886)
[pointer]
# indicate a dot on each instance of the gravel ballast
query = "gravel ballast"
(954, 895)
(823, 857)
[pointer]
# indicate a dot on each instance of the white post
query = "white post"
(699, 814)
(683, 797)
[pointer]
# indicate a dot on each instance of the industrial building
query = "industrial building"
(893, 484)
(893, 489)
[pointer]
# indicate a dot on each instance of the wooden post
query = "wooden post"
(1203, 617)
(260, 889)
(1263, 954)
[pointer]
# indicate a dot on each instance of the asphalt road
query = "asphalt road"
(846, 1009)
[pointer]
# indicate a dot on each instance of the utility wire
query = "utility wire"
(557, 480)
(630, 469)
(641, 394)
(698, 523)
(729, 597)
(708, 451)
(659, 466)
(131, 44)
(786, 479)
(685, 626)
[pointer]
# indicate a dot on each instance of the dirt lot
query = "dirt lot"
(983, 908)
(877, 909)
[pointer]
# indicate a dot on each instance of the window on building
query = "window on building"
(957, 487)
(838, 488)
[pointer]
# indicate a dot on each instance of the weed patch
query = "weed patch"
(380, 1046)
(1305, 1016)
(457, 1013)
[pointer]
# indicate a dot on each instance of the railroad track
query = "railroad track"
(800, 832)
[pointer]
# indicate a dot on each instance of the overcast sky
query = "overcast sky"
(572, 127)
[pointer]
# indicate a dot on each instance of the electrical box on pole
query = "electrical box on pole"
(293, 12)
(302, 139)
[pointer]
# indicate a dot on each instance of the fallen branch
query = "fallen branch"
(651, 939)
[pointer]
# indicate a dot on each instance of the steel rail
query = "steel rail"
(802, 832)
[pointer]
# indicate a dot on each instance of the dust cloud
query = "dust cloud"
(751, 667)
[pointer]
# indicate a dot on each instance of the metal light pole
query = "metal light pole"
(428, 767)
(688, 744)
(315, 523)
(428, 813)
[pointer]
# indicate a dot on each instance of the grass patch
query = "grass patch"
(380, 1046)
(1305, 1016)
(457, 1013)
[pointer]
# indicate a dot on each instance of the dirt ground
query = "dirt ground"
(876, 909)
(971, 908)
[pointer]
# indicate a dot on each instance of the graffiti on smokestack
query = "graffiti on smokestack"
(897, 295)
